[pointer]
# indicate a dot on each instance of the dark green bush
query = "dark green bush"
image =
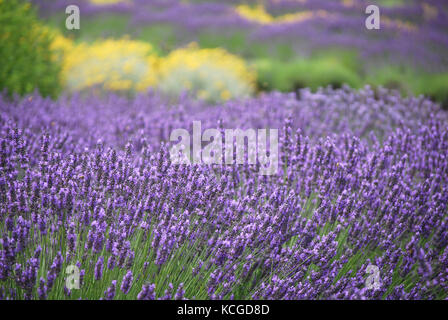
(411, 82)
(300, 73)
(26, 61)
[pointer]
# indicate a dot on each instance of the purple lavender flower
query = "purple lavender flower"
(109, 294)
(42, 290)
(147, 293)
(99, 268)
(362, 177)
(126, 284)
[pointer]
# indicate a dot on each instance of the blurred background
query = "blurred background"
(220, 50)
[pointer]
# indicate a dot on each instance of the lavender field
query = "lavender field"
(92, 205)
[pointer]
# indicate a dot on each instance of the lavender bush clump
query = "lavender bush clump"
(87, 181)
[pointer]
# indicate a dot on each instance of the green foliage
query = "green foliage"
(300, 73)
(27, 62)
(436, 87)
(409, 82)
(338, 68)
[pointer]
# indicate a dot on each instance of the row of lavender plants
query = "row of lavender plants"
(87, 181)
(414, 31)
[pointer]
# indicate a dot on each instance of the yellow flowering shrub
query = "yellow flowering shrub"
(61, 44)
(260, 15)
(111, 64)
(256, 14)
(210, 74)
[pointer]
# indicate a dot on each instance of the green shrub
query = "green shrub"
(26, 61)
(276, 75)
(320, 71)
(411, 82)
(437, 88)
